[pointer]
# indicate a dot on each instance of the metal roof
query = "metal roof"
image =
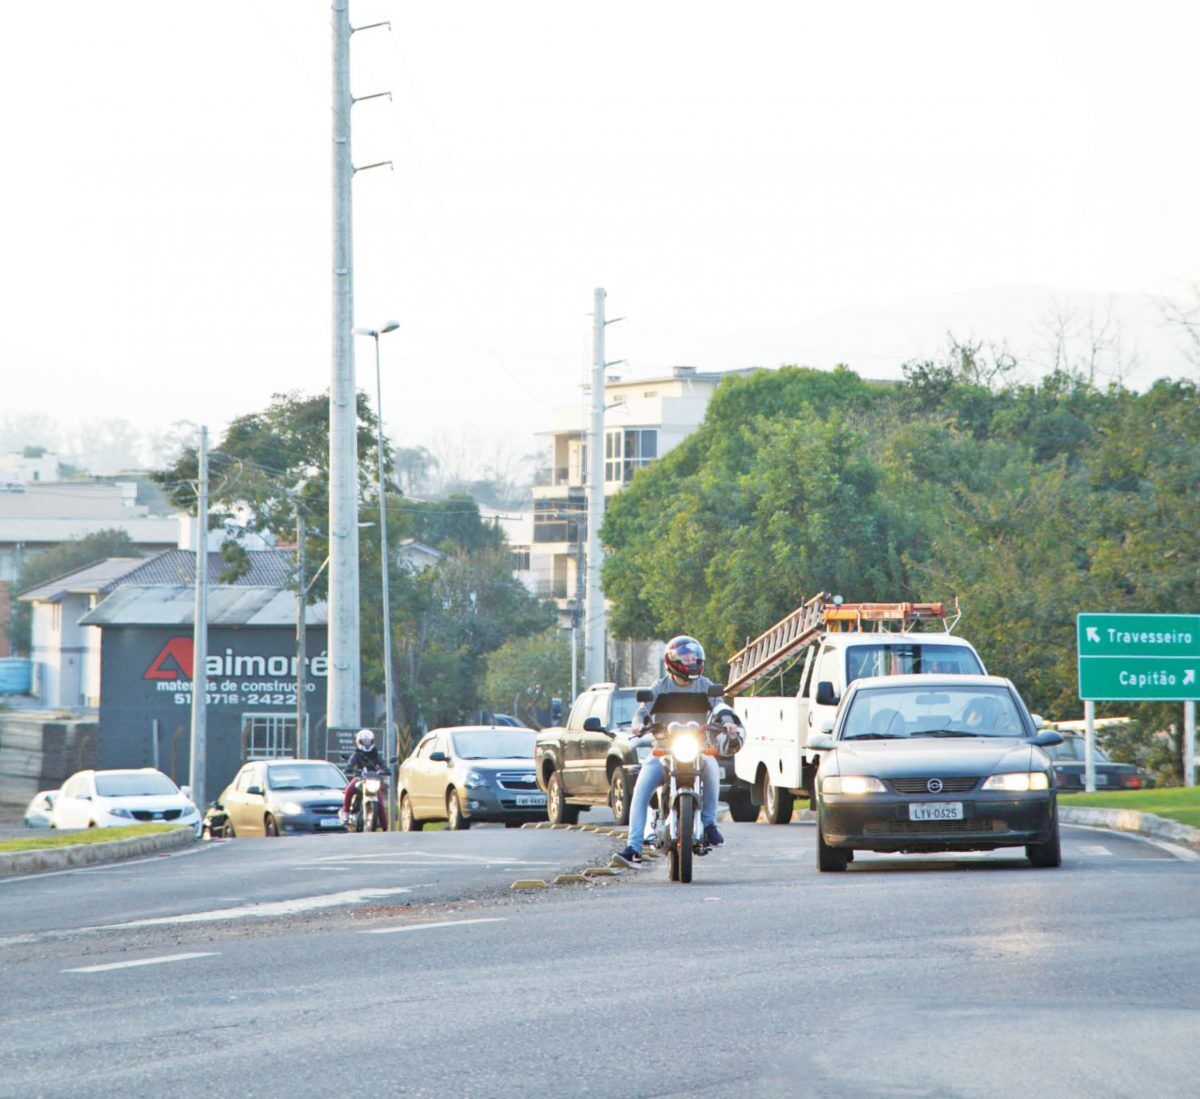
(92, 579)
(228, 605)
(268, 569)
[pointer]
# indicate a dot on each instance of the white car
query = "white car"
(112, 799)
(37, 812)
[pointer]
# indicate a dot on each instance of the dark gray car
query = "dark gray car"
(271, 797)
(470, 773)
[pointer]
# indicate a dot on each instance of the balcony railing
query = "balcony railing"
(560, 475)
(550, 589)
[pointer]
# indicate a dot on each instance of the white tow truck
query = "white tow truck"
(832, 643)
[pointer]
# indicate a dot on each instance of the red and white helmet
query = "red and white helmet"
(684, 657)
(364, 739)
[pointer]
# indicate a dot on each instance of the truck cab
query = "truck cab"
(777, 762)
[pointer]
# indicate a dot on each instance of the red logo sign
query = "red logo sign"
(174, 662)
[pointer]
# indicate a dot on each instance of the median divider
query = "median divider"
(1129, 820)
(527, 884)
(41, 859)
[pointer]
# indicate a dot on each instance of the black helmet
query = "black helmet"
(684, 657)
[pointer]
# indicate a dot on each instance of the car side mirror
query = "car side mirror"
(257, 790)
(85, 797)
(438, 757)
(715, 690)
(1048, 739)
(592, 725)
(645, 696)
(826, 695)
(822, 740)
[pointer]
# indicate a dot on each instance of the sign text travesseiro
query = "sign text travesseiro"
(1139, 657)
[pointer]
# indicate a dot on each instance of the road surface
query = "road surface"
(954, 976)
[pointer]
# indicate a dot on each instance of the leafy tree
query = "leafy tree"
(525, 674)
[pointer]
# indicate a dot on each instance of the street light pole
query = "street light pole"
(389, 737)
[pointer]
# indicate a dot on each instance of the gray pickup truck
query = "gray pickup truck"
(591, 760)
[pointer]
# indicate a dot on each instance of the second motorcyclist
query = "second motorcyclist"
(364, 758)
(684, 660)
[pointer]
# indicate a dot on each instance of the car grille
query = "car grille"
(324, 808)
(979, 826)
(146, 814)
(517, 780)
(955, 785)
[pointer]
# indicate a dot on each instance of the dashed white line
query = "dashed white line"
(1095, 849)
(141, 961)
(428, 926)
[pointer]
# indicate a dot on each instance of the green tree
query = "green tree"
(525, 674)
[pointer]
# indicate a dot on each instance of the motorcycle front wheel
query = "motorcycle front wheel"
(683, 840)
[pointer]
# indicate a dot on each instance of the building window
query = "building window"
(520, 560)
(268, 736)
(625, 452)
(558, 520)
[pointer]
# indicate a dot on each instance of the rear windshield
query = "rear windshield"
(134, 784)
(929, 658)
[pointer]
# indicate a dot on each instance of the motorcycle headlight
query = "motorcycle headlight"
(372, 785)
(852, 784)
(1017, 782)
(685, 747)
(292, 808)
(475, 779)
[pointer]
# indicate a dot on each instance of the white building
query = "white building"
(644, 419)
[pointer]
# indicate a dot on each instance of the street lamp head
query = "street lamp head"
(391, 326)
(366, 332)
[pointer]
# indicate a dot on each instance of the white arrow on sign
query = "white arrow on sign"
(1093, 634)
(1189, 676)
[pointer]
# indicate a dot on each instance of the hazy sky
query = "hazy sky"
(752, 182)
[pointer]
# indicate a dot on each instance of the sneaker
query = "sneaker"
(712, 835)
(627, 856)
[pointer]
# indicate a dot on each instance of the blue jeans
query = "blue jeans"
(648, 780)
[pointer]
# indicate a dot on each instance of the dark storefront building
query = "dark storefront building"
(146, 678)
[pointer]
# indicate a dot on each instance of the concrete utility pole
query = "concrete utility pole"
(1189, 744)
(302, 745)
(1089, 747)
(199, 747)
(593, 607)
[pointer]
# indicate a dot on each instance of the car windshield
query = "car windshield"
(495, 744)
(863, 661)
(890, 713)
(305, 776)
(133, 784)
(624, 705)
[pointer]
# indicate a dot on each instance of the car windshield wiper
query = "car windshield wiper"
(949, 732)
(318, 786)
(286, 787)
(877, 736)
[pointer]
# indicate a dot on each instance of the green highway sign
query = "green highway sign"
(1138, 657)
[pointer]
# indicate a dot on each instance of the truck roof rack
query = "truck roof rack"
(825, 613)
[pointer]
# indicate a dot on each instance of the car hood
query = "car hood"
(307, 797)
(924, 756)
(491, 765)
(154, 803)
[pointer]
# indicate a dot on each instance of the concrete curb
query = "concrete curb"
(1127, 820)
(92, 854)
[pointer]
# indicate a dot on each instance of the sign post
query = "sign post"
(1139, 658)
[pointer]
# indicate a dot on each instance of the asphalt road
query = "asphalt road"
(966, 976)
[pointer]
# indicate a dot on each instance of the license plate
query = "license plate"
(331, 822)
(935, 810)
(531, 799)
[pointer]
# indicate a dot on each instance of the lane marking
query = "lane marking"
(141, 961)
(1095, 849)
(427, 926)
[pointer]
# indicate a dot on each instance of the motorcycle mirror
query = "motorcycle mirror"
(645, 696)
(715, 690)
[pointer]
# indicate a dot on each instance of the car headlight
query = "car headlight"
(1017, 782)
(685, 748)
(475, 779)
(117, 811)
(292, 808)
(852, 784)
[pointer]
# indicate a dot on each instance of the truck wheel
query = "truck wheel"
(777, 804)
(830, 858)
(741, 807)
(455, 821)
(618, 796)
(408, 823)
(557, 809)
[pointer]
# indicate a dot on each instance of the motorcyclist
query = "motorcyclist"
(684, 660)
(364, 758)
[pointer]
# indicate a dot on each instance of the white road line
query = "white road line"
(1094, 849)
(427, 926)
(1183, 854)
(141, 961)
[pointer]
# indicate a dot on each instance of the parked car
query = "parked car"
(271, 797)
(470, 773)
(117, 798)
(1069, 758)
(935, 763)
(506, 719)
(591, 760)
(37, 812)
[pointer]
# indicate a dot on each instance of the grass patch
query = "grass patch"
(54, 838)
(1181, 803)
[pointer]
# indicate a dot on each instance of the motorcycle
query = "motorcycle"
(369, 787)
